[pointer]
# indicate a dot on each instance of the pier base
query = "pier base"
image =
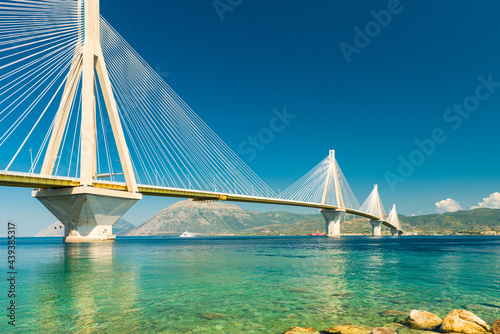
(87, 213)
(332, 220)
(376, 227)
(395, 231)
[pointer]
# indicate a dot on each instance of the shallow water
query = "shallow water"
(248, 284)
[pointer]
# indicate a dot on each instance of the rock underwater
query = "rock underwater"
(348, 329)
(301, 330)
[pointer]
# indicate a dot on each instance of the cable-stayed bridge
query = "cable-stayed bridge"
(103, 129)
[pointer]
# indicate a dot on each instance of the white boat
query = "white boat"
(187, 235)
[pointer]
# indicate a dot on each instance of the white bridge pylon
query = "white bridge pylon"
(88, 213)
(326, 184)
(323, 184)
(332, 185)
(373, 205)
(393, 220)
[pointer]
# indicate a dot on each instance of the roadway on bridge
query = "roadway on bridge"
(26, 180)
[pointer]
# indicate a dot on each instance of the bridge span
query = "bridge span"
(87, 105)
(28, 180)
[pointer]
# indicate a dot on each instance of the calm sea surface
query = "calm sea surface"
(246, 284)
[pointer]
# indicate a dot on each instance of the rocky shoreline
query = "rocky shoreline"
(417, 322)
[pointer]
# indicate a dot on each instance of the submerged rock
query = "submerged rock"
(396, 326)
(461, 321)
(395, 316)
(423, 320)
(402, 329)
(392, 313)
(348, 329)
(299, 290)
(298, 330)
(341, 294)
(383, 330)
(212, 316)
(495, 329)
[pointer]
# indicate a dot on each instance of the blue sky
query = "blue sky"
(372, 106)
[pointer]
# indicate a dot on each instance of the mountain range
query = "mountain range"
(57, 229)
(212, 218)
(219, 218)
(222, 218)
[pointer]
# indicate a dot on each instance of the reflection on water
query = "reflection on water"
(261, 285)
(80, 287)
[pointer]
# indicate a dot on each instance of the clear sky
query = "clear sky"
(406, 92)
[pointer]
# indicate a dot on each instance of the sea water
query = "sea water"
(246, 284)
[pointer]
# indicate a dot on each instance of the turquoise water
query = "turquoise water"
(245, 284)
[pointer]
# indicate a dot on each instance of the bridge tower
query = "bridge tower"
(332, 217)
(86, 211)
(375, 208)
(393, 219)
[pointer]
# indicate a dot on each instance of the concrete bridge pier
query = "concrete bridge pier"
(394, 231)
(376, 227)
(87, 213)
(332, 220)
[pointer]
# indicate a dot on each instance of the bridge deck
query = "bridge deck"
(15, 179)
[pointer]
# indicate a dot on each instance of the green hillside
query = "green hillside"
(471, 221)
(313, 224)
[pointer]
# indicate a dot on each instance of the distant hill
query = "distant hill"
(313, 224)
(221, 218)
(57, 229)
(477, 220)
(54, 230)
(471, 221)
(122, 227)
(211, 218)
